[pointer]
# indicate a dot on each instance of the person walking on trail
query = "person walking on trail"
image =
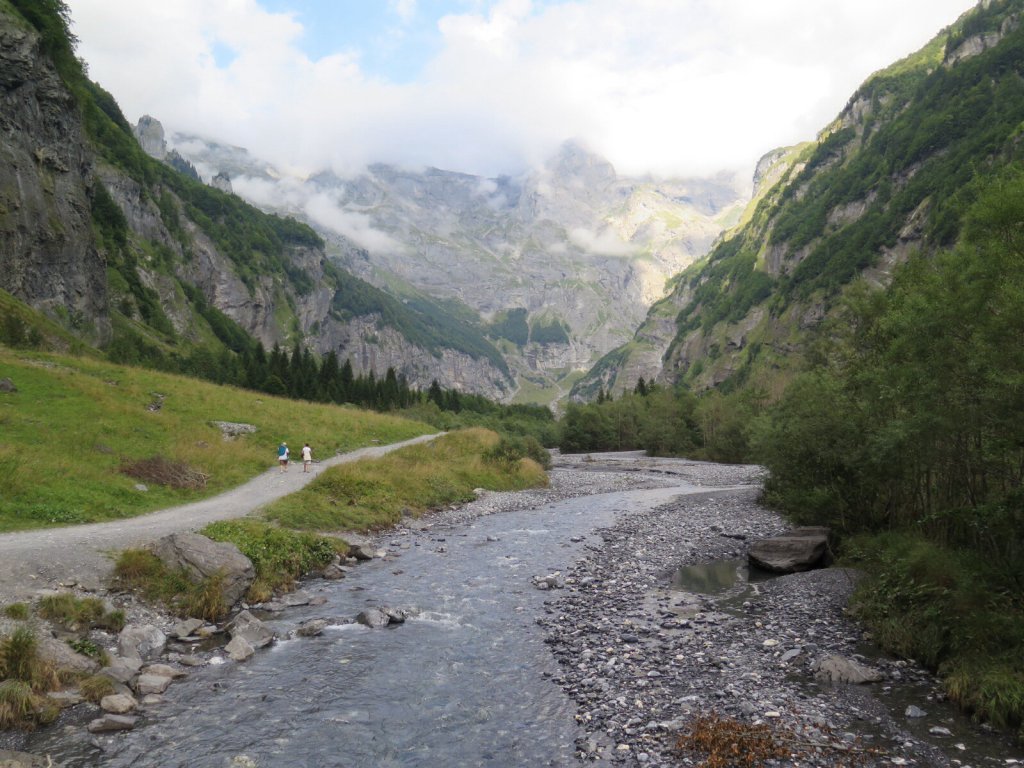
(307, 457)
(282, 456)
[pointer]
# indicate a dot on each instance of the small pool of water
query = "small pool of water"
(717, 577)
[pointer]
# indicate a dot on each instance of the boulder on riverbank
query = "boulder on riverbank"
(202, 558)
(801, 549)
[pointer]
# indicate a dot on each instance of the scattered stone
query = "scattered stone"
(119, 704)
(311, 628)
(252, 630)
(9, 759)
(109, 723)
(296, 599)
(62, 699)
(838, 669)
(915, 712)
(152, 700)
(230, 429)
(551, 581)
(938, 730)
(186, 628)
(799, 550)
(7, 386)
(63, 656)
(146, 683)
(141, 642)
(374, 618)
(333, 572)
(164, 670)
(239, 649)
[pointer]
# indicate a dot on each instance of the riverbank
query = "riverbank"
(638, 659)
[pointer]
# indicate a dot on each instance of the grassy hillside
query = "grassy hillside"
(75, 425)
(893, 174)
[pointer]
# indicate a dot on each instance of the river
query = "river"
(466, 682)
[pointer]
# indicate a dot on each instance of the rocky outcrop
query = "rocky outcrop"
(801, 549)
(149, 132)
(203, 559)
(47, 255)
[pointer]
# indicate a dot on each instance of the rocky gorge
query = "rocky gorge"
(639, 650)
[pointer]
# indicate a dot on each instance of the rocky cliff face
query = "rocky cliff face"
(572, 241)
(53, 182)
(47, 254)
(274, 312)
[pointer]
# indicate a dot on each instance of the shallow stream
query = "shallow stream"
(465, 683)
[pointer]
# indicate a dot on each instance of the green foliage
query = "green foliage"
(280, 556)
(370, 495)
(52, 19)
(80, 612)
(948, 608)
(912, 421)
(87, 647)
(549, 331)
(17, 611)
(663, 422)
(423, 321)
(513, 448)
(95, 687)
(73, 420)
(19, 655)
(141, 571)
(21, 707)
(511, 324)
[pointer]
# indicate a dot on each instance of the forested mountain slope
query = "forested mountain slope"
(145, 262)
(892, 175)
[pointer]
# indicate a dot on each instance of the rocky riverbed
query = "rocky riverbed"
(644, 653)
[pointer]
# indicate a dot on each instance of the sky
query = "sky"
(660, 87)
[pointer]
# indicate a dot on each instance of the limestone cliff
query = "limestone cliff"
(47, 254)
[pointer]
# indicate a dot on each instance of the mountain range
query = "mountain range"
(556, 266)
(512, 286)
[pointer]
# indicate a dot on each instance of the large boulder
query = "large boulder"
(203, 558)
(801, 549)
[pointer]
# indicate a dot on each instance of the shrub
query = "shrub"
(21, 707)
(17, 611)
(18, 655)
(94, 688)
(19, 660)
(80, 612)
(141, 571)
(280, 556)
(160, 470)
(512, 448)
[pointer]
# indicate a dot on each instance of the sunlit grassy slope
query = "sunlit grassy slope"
(73, 423)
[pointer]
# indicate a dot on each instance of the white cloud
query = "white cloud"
(661, 86)
(291, 196)
(604, 243)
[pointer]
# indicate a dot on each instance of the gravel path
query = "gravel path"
(31, 561)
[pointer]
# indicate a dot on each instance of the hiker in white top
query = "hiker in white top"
(307, 457)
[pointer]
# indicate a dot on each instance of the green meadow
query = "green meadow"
(76, 427)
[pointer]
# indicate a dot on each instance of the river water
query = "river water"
(464, 683)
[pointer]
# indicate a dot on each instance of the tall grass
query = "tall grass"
(371, 495)
(953, 611)
(74, 422)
